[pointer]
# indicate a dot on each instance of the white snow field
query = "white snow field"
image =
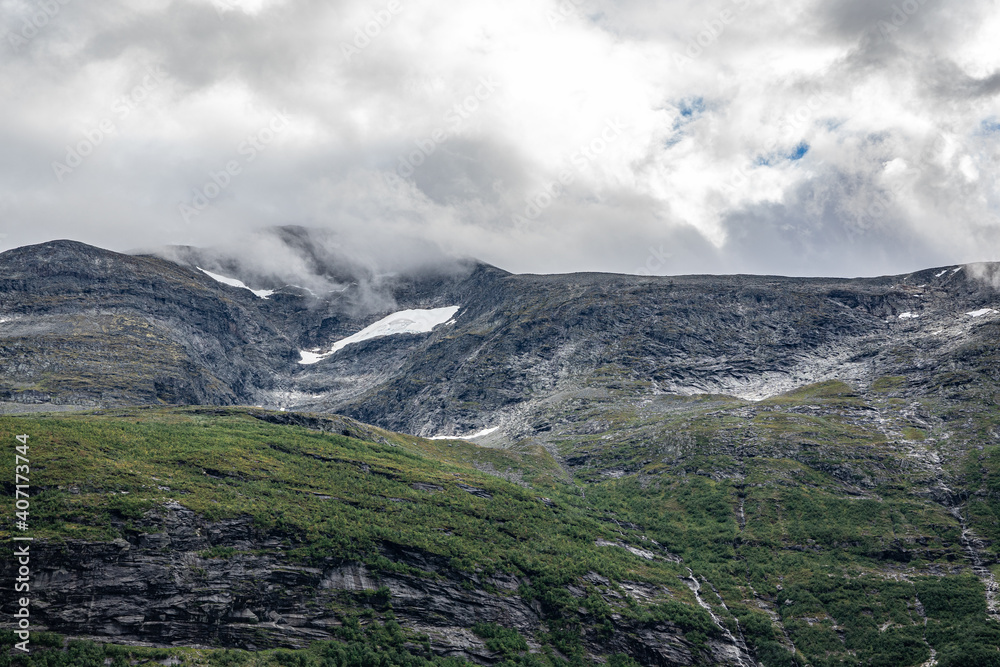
(233, 282)
(478, 434)
(405, 321)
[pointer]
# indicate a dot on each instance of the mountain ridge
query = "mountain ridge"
(500, 301)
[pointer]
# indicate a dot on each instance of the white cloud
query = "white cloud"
(797, 124)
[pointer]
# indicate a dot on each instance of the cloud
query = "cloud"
(360, 268)
(803, 137)
(986, 273)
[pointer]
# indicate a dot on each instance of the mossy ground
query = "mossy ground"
(780, 530)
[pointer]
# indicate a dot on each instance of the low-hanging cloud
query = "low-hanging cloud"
(837, 138)
(985, 273)
(359, 270)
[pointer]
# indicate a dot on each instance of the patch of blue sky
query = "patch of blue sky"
(990, 125)
(692, 107)
(689, 109)
(797, 153)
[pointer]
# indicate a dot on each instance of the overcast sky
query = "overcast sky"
(802, 137)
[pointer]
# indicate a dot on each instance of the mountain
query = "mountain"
(517, 340)
(671, 470)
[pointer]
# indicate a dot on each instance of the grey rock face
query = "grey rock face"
(161, 587)
(80, 325)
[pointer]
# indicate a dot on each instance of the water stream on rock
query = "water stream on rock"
(742, 654)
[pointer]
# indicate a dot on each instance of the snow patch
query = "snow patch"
(938, 275)
(957, 269)
(981, 312)
(233, 282)
(477, 434)
(405, 321)
(311, 357)
(908, 316)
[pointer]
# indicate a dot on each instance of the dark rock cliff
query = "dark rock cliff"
(179, 580)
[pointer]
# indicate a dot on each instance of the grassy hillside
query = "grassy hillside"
(831, 557)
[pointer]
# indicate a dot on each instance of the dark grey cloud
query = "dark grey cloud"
(806, 137)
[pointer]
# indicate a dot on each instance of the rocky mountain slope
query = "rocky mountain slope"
(83, 326)
(681, 470)
(250, 529)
